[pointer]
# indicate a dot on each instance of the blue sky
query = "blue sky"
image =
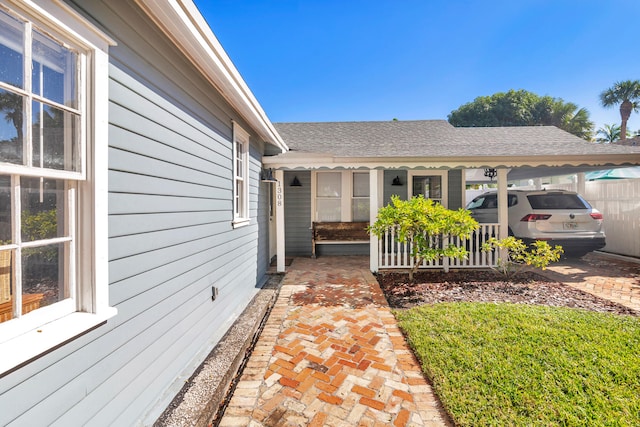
(409, 59)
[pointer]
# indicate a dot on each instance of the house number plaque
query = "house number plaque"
(279, 194)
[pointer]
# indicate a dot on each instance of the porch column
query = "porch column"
(503, 204)
(537, 182)
(581, 184)
(376, 194)
(279, 221)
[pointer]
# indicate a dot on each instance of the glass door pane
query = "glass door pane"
(429, 186)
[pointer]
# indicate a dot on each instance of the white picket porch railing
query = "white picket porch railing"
(393, 254)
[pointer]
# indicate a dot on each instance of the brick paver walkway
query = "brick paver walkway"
(602, 275)
(331, 354)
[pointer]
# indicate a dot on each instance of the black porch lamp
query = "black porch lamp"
(490, 173)
(296, 182)
(266, 175)
(396, 181)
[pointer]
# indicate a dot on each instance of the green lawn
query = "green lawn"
(519, 365)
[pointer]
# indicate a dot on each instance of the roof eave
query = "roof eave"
(183, 23)
(315, 161)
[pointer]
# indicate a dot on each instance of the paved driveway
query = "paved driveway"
(603, 275)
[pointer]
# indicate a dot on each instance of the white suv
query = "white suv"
(560, 217)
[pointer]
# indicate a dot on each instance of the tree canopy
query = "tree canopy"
(627, 94)
(523, 108)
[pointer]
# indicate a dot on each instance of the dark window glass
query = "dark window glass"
(557, 201)
(11, 127)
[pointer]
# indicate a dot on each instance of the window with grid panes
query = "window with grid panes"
(360, 196)
(48, 212)
(240, 173)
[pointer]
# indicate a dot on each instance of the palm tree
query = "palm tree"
(569, 117)
(610, 133)
(627, 94)
(11, 106)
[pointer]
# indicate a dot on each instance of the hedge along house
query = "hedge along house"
(344, 172)
(130, 160)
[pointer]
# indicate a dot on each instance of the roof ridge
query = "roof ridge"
(366, 121)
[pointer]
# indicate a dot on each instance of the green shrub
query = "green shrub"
(423, 223)
(40, 226)
(514, 256)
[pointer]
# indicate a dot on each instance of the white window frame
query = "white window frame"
(346, 198)
(240, 176)
(35, 333)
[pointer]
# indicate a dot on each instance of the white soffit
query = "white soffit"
(305, 160)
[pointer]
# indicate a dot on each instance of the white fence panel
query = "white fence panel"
(619, 202)
(396, 255)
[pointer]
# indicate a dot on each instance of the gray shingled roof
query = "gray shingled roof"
(435, 138)
(635, 141)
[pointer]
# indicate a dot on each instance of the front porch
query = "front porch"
(297, 207)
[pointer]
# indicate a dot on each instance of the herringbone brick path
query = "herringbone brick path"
(331, 354)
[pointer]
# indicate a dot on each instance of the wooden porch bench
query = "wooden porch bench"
(338, 233)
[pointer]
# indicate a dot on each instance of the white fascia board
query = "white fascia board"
(183, 23)
(314, 161)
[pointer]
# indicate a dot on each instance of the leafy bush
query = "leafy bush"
(40, 226)
(423, 223)
(518, 256)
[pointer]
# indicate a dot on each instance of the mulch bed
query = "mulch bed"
(434, 286)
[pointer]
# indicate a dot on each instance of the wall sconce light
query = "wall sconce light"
(396, 181)
(266, 175)
(490, 173)
(296, 182)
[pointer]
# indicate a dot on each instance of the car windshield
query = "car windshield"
(484, 202)
(557, 201)
(490, 201)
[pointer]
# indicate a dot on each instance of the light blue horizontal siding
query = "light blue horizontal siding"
(127, 224)
(456, 194)
(170, 239)
(261, 194)
(297, 214)
(397, 190)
